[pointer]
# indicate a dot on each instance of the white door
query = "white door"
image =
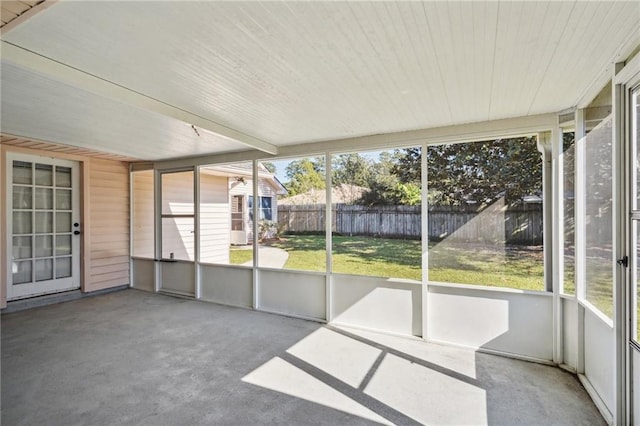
(238, 232)
(43, 225)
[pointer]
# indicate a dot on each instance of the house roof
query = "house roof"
(345, 193)
(244, 170)
(158, 80)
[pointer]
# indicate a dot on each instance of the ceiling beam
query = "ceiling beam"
(58, 71)
(470, 132)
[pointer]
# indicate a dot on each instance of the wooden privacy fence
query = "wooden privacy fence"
(497, 223)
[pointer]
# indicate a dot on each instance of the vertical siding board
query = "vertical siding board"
(215, 219)
(108, 192)
(143, 214)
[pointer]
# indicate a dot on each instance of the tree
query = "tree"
(477, 172)
(381, 182)
(304, 175)
(269, 166)
(407, 165)
(351, 169)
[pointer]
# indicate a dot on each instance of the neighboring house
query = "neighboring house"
(240, 198)
(226, 195)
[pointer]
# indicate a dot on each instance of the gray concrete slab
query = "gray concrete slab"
(138, 358)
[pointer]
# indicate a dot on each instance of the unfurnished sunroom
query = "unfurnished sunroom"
(455, 173)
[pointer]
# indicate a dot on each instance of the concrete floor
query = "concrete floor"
(138, 358)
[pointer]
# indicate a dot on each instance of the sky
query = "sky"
(281, 165)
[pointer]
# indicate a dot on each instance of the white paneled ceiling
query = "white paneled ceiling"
(43, 109)
(297, 72)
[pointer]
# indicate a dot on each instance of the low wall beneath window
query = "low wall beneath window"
(383, 304)
(570, 332)
(294, 293)
(178, 277)
(143, 274)
(599, 357)
(227, 285)
(507, 321)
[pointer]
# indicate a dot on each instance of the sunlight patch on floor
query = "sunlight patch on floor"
(425, 395)
(455, 359)
(344, 358)
(348, 370)
(279, 375)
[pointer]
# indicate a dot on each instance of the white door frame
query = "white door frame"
(54, 285)
(627, 79)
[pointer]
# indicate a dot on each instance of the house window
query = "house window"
(264, 208)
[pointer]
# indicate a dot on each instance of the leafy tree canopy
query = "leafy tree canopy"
(477, 172)
(351, 169)
(462, 173)
(304, 175)
(269, 166)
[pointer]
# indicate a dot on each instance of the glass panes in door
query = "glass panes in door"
(41, 222)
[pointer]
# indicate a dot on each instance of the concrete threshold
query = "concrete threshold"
(51, 299)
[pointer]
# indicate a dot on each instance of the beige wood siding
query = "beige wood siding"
(108, 225)
(215, 219)
(143, 214)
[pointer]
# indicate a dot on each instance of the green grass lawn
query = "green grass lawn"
(238, 256)
(511, 266)
(383, 257)
(599, 290)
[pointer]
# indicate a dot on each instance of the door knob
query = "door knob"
(76, 232)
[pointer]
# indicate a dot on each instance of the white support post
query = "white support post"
(196, 230)
(329, 237)
(157, 225)
(425, 239)
(555, 211)
(544, 146)
(580, 227)
(254, 225)
(550, 231)
(131, 225)
(557, 153)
